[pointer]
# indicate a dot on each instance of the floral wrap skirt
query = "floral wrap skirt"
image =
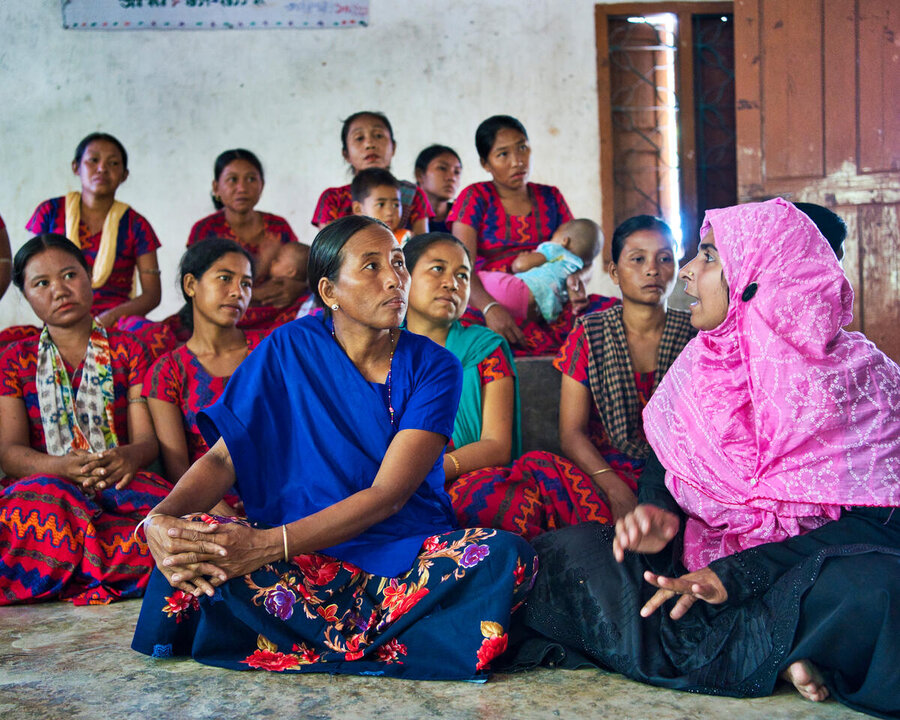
(447, 618)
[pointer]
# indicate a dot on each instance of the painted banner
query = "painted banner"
(212, 14)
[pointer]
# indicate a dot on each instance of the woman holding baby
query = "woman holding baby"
(281, 286)
(499, 219)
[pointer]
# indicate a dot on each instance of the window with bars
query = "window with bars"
(667, 129)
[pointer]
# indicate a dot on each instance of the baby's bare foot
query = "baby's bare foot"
(806, 677)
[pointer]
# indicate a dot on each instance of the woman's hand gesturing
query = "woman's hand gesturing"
(646, 529)
(702, 584)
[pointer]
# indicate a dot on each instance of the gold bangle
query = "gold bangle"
(455, 463)
(600, 472)
(284, 537)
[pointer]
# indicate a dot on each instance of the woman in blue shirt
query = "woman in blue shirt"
(333, 432)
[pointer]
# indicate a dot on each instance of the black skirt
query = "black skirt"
(839, 607)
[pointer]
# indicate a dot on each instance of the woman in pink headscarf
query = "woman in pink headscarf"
(770, 497)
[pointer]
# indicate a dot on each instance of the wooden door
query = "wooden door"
(817, 86)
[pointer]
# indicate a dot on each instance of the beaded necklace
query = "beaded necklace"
(390, 370)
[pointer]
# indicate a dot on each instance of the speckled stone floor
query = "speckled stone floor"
(62, 662)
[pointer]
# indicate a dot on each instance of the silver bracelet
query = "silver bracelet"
(141, 524)
(484, 310)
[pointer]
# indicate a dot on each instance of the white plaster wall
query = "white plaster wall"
(176, 99)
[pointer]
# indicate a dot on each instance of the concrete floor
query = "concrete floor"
(58, 661)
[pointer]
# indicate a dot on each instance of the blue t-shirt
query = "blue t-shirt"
(305, 430)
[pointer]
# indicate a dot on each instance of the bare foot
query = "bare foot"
(806, 677)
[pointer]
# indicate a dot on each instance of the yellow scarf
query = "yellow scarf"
(106, 253)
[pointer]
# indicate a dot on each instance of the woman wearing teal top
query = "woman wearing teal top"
(489, 484)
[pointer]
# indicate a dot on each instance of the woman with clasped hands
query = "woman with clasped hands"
(332, 432)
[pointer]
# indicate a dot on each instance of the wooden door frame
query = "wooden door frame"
(687, 155)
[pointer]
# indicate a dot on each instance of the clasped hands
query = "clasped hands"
(648, 529)
(100, 470)
(196, 557)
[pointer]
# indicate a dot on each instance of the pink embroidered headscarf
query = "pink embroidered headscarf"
(770, 423)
